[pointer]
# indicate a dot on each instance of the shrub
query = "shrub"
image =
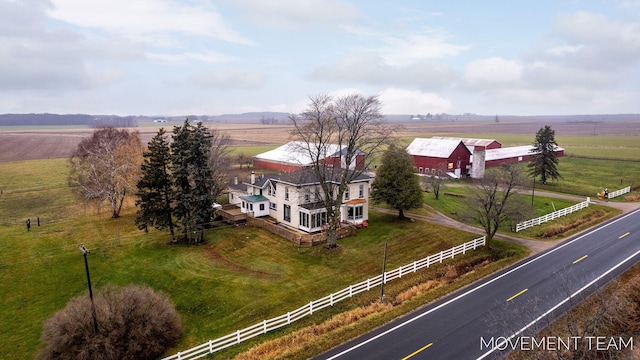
(133, 323)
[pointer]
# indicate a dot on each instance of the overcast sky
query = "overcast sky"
(181, 57)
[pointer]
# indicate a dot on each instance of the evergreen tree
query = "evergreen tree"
(155, 187)
(545, 160)
(396, 183)
(193, 179)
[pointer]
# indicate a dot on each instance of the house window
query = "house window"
(271, 190)
(273, 206)
(304, 219)
(307, 197)
(318, 219)
(251, 207)
(261, 207)
(426, 170)
(355, 212)
(286, 193)
(346, 193)
(420, 169)
(361, 191)
(433, 171)
(317, 194)
(287, 213)
(243, 205)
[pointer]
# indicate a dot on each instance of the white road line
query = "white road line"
(502, 343)
(474, 289)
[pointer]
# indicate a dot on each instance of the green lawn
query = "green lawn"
(239, 277)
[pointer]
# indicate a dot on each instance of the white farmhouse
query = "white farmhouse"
(295, 200)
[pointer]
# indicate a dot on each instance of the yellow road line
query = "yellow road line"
(582, 258)
(417, 351)
(623, 235)
(518, 294)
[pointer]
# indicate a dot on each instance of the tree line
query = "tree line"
(175, 182)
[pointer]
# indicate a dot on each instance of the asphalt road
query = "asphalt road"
(484, 321)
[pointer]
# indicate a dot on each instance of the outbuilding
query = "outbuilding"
(295, 155)
(432, 156)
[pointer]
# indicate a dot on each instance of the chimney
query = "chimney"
(253, 177)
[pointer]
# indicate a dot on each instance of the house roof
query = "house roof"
(297, 152)
(254, 198)
(510, 152)
(262, 180)
(440, 148)
(471, 142)
(308, 177)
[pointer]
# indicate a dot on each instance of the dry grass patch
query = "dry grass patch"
(290, 345)
(286, 345)
(632, 198)
(559, 229)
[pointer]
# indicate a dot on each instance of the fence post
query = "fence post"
(264, 327)
(311, 308)
(238, 336)
(288, 317)
(440, 256)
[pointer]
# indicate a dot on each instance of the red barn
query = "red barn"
(436, 156)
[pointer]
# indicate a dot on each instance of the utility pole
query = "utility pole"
(533, 189)
(384, 265)
(93, 306)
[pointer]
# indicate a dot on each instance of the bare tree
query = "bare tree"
(106, 166)
(219, 161)
(353, 124)
(435, 181)
(494, 199)
(242, 159)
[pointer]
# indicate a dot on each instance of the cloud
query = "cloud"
(594, 41)
(33, 57)
(228, 79)
(401, 101)
(485, 73)
(430, 44)
(146, 20)
(298, 14)
(210, 57)
(370, 68)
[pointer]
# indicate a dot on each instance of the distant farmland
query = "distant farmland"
(40, 142)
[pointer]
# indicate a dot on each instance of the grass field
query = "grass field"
(241, 275)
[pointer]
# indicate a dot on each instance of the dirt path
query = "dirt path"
(535, 246)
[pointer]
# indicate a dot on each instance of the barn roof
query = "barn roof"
(471, 142)
(297, 153)
(511, 152)
(440, 148)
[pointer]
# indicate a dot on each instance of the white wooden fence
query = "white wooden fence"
(267, 325)
(554, 215)
(619, 192)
